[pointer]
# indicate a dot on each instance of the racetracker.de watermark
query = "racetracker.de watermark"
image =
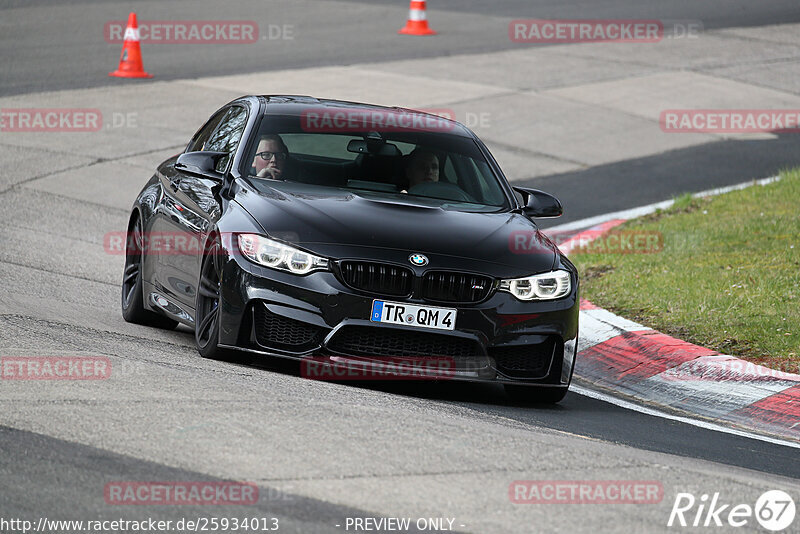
(190, 32)
(589, 242)
(585, 492)
(63, 120)
(721, 368)
(175, 243)
(730, 120)
(50, 120)
(388, 368)
(552, 31)
(55, 368)
(372, 120)
(180, 493)
(159, 243)
(470, 119)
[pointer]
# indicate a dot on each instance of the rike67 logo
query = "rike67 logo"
(774, 510)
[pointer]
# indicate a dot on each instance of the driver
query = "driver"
(270, 158)
(423, 166)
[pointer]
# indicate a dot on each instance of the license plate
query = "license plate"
(411, 315)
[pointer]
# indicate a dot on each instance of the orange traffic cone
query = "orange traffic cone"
(130, 62)
(417, 20)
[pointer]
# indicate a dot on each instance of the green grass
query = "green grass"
(728, 277)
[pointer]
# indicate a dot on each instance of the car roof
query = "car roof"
(295, 105)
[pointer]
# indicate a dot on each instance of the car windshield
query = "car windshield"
(417, 160)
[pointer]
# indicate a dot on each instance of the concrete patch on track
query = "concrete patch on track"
(648, 96)
(21, 164)
(543, 120)
(103, 179)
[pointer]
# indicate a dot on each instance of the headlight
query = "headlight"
(545, 286)
(269, 253)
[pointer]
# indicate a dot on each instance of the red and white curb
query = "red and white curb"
(638, 362)
(656, 369)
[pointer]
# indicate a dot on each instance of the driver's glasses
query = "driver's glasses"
(266, 156)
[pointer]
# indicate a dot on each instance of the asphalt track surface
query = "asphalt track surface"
(322, 452)
(60, 45)
(647, 180)
(54, 46)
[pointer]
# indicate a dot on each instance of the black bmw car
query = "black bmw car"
(348, 234)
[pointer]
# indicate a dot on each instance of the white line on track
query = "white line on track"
(592, 394)
(650, 208)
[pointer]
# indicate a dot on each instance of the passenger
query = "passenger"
(423, 166)
(270, 158)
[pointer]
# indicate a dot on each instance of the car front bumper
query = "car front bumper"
(318, 318)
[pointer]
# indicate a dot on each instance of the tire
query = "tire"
(206, 324)
(534, 395)
(132, 301)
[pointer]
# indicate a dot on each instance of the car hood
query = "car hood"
(342, 223)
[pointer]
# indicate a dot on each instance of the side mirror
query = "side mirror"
(203, 164)
(540, 204)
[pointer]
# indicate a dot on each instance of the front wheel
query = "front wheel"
(207, 305)
(534, 395)
(133, 310)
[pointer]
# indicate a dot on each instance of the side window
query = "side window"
(228, 134)
(200, 139)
